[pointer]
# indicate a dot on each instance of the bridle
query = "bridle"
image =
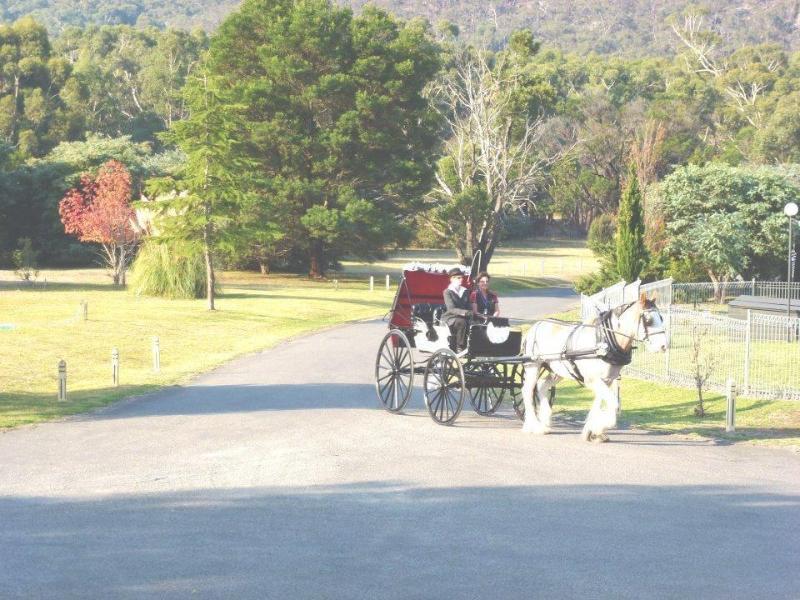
(643, 319)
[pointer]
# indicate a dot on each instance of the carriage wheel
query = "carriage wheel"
(487, 384)
(516, 394)
(394, 371)
(444, 386)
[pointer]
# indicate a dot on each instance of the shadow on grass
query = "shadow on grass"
(395, 540)
(21, 408)
(60, 287)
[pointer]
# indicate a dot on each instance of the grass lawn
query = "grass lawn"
(551, 262)
(253, 313)
(670, 409)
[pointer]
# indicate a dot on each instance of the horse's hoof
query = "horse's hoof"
(599, 438)
(586, 433)
(533, 429)
(546, 429)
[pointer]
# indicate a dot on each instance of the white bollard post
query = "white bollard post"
(115, 366)
(524, 270)
(62, 380)
(336, 284)
(541, 265)
(388, 282)
(84, 311)
(156, 354)
(371, 283)
(618, 392)
(730, 414)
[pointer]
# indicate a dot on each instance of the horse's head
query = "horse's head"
(652, 329)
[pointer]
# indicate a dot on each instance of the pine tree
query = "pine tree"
(203, 204)
(631, 253)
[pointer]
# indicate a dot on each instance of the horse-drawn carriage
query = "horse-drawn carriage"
(418, 343)
(499, 364)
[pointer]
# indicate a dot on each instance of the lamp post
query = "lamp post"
(790, 210)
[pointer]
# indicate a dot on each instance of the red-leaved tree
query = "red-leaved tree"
(99, 210)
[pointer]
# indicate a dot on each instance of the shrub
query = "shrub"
(601, 236)
(168, 271)
(24, 258)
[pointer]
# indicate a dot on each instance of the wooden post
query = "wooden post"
(524, 269)
(618, 391)
(730, 415)
(371, 283)
(84, 311)
(156, 354)
(336, 284)
(388, 281)
(115, 366)
(62, 380)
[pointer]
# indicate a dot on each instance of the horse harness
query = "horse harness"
(607, 347)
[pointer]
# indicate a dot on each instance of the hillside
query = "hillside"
(631, 27)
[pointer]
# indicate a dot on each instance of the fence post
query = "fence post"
(371, 283)
(388, 280)
(730, 414)
(156, 354)
(115, 366)
(524, 269)
(748, 340)
(62, 380)
(85, 309)
(336, 284)
(669, 340)
(753, 287)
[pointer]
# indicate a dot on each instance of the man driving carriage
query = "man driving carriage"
(459, 309)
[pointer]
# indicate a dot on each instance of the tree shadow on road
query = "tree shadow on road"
(387, 539)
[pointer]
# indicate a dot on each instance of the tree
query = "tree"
(631, 253)
(341, 132)
(729, 220)
(492, 160)
(99, 210)
(201, 205)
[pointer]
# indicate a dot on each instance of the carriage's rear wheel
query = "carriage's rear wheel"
(487, 383)
(443, 383)
(394, 371)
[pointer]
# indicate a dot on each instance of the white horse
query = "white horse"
(592, 352)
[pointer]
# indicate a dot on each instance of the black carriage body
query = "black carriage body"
(479, 343)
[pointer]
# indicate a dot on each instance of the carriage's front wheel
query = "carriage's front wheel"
(443, 383)
(394, 371)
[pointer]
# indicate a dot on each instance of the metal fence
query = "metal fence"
(760, 353)
(695, 294)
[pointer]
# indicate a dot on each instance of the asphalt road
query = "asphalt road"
(277, 476)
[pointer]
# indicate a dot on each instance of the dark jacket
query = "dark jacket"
(457, 306)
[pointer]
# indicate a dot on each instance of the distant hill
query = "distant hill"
(632, 27)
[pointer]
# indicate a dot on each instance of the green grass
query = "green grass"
(660, 407)
(547, 262)
(253, 313)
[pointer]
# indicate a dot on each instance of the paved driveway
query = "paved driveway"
(277, 476)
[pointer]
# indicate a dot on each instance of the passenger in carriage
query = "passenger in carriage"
(459, 310)
(484, 301)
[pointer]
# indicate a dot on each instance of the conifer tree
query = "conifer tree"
(631, 253)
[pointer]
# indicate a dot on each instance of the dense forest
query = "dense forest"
(330, 133)
(631, 27)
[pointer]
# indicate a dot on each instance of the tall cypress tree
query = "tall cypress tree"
(632, 256)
